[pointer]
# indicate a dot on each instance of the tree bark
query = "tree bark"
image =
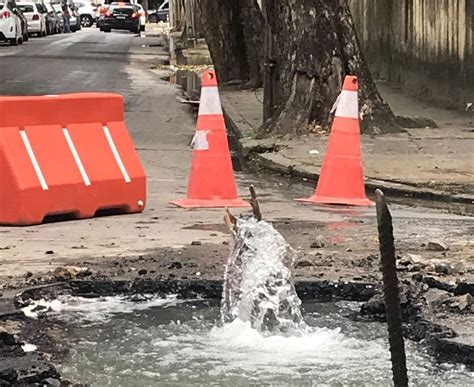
(233, 30)
(315, 45)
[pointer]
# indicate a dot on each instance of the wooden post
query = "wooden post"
(391, 291)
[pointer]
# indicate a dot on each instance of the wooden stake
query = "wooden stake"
(254, 203)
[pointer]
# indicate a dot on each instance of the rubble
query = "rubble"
(318, 243)
(66, 273)
(435, 245)
(462, 302)
(443, 268)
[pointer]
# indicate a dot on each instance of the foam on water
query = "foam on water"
(236, 348)
(95, 309)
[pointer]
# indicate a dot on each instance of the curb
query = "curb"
(275, 162)
(264, 157)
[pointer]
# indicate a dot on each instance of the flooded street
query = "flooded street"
(118, 345)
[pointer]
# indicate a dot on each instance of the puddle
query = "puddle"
(159, 342)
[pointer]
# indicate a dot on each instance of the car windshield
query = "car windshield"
(26, 8)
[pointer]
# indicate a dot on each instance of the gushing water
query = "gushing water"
(258, 283)
(263, 338)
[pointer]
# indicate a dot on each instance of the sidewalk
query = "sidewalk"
(436, 164)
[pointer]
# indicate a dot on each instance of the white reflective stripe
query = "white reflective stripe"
(118, 159)
(33, 160)
(348, 105)
(76, 157)
(210, 102)
(200, 140)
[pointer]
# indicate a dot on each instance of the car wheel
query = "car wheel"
(107, 30)
(14, 42)
(153, 19)
(86, 21)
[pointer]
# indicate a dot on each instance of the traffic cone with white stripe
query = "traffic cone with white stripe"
(341, 180)
(211, 181)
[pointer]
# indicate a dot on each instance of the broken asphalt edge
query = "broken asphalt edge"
(284, 166)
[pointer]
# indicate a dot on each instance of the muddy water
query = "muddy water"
(163, 343)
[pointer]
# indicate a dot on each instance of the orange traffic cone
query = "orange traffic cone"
(342, 178)
(211, 181)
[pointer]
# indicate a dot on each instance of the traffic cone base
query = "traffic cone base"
(331, 200)
(210, 203)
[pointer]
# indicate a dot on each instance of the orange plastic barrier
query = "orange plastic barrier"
(342, 178)
(211, 181)
(66, 154)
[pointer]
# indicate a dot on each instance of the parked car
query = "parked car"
(142, 14)
(53, 18)
(36, 19)
(162, 14)
(10, 23)
(87, 12)
(74, 19)
(102, 9)
(49, 18)
(24, 21)
(59, 15)
(120, 16)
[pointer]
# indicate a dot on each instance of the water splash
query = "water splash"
(258, 283)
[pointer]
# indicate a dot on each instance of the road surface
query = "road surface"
(161, 128)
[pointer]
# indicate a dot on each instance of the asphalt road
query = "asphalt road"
(161, 128)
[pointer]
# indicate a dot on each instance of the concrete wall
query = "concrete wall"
(425, 45)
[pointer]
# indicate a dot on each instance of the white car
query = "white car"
(87, 12)
(10, 24)
(36, 19)
(142, 13)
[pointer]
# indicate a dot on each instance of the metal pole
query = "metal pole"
(269, 68)
(391, 291)
(172, 14)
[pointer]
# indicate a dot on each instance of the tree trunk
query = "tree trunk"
(233, 30)
(315, 45)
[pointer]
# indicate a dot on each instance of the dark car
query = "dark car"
(120, 16)
(103, 7)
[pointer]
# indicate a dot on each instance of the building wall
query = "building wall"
(425, 45)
